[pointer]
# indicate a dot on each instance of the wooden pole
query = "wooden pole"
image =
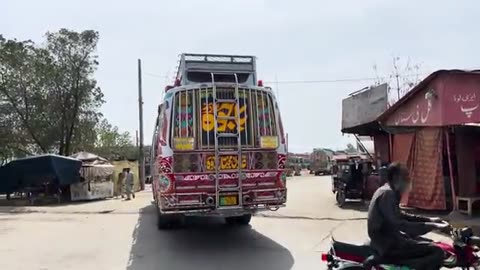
(450, 166)
(390, 148)
(136, 138)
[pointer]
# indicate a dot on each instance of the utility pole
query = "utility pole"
(141, 159)
(136, 138)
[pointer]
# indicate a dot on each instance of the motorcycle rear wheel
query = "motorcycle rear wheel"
(341, 198)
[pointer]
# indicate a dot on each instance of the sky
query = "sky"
(300, 40)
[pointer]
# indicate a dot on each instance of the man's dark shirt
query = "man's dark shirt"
(388, 227)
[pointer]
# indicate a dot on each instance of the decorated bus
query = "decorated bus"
(218, 147)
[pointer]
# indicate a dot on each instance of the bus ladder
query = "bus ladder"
(219, 152)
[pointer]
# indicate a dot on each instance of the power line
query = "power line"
(339, 80)
(322, 81)
(344, 79)
(305, 81)
(155, 75)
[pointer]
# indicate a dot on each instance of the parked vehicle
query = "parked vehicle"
(295, 164)
(349, 175)
(218, 148)
(289, 172)
(461, 252)
(320, 162)
(298, 171)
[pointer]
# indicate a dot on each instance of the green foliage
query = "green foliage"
(49, 99)
(113, 144)
(110, 136)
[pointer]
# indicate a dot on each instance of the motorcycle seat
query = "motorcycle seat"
(363, 254)
(356, 253)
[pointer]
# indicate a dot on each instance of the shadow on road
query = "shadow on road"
(204, 243)
(356, 205)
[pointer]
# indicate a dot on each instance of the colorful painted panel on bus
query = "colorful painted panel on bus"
(184, 116)
(224, 125)
(264, 115)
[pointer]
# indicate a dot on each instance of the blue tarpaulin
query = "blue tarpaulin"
(35, 170)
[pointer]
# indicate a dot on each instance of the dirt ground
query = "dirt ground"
(118, 234)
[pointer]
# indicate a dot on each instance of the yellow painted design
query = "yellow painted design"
(223, 109)
(226, 163)
(183, 143)
(270, 142)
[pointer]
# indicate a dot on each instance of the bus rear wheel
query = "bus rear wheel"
(239, 220)
(165, 222)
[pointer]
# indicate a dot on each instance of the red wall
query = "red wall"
(461, 98)
(417, 111)
(381, 144)
(455, 100)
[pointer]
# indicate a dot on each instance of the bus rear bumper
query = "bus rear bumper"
(201, 204)
(223, 212)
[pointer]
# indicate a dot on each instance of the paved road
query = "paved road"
(115, 234)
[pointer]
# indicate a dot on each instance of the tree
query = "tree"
(403, 76)
(76, 95)
(113, 144)
(49, 99)
(110, 136)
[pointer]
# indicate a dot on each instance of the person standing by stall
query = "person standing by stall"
(129, 184)
(120, 188)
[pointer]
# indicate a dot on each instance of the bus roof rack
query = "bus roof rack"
(214, 63)
(216, 58)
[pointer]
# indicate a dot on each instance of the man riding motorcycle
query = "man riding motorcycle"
(393, 233)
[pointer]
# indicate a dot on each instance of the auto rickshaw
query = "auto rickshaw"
(349, 174)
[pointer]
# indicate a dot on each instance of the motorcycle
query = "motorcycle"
(462, 253)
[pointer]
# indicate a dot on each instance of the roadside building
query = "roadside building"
(434, 130)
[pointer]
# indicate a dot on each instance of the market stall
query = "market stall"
(96, 178)
(41, 177)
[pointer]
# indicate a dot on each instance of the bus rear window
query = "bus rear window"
(194, 121)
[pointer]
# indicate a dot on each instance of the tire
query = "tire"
(239, 220)
(340, 197)
(165, 222)
(244, 220)
(231, 220)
